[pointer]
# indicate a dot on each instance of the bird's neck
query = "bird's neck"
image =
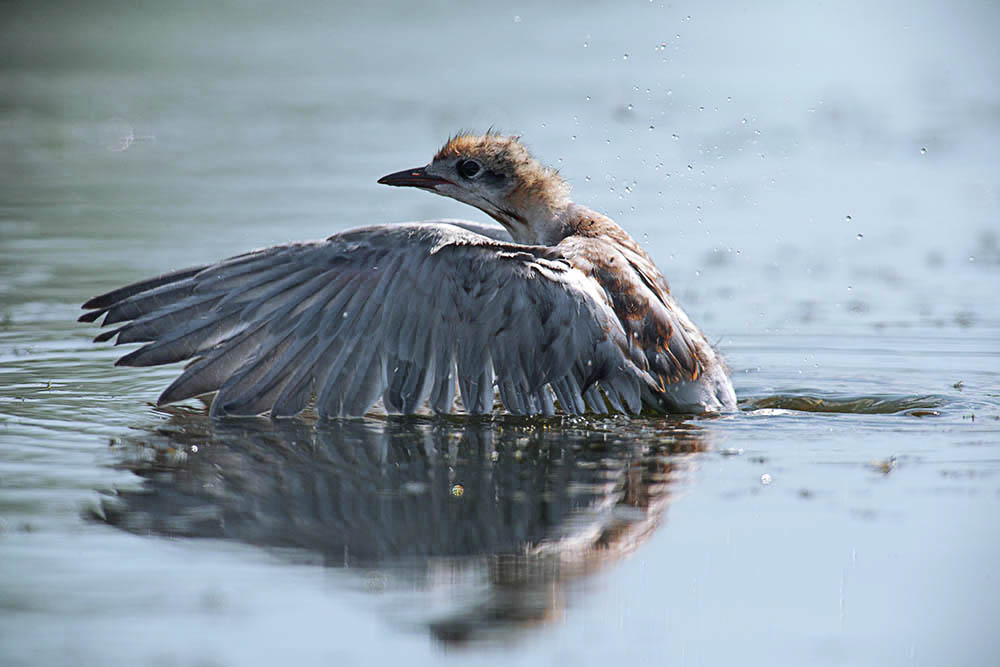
(547, 225)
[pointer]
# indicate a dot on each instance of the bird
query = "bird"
(556, 310)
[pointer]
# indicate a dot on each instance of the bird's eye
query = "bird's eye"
(468, 168)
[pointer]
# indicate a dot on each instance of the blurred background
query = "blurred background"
(818, 181)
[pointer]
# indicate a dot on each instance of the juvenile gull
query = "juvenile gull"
(558, 309)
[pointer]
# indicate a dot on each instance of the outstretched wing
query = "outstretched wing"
(398, 312)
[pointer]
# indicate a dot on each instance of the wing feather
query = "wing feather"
(406, 313)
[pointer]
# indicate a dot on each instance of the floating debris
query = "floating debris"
(922, 413)
(884, 466)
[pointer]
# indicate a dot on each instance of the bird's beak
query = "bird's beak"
(416, 178)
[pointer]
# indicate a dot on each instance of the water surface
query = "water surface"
(819, 185)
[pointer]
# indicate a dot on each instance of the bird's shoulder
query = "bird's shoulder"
(459, 247)
(662, 338)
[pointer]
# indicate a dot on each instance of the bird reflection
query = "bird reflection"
(506, 515)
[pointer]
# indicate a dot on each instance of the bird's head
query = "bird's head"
(497, 175)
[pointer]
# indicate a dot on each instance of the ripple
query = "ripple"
(914, 406)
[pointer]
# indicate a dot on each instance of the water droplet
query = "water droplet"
(923, 151)
(652, 127)
(675, 136)
(848, 218)
(573, 138)
(690, 168)
(588, 98)
(765, 479)
(860, 236)
(458, 490)
(624, 56)
(585, 45)
(628, 107)
(517, 19)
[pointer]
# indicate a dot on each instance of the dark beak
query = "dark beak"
(415, 178)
